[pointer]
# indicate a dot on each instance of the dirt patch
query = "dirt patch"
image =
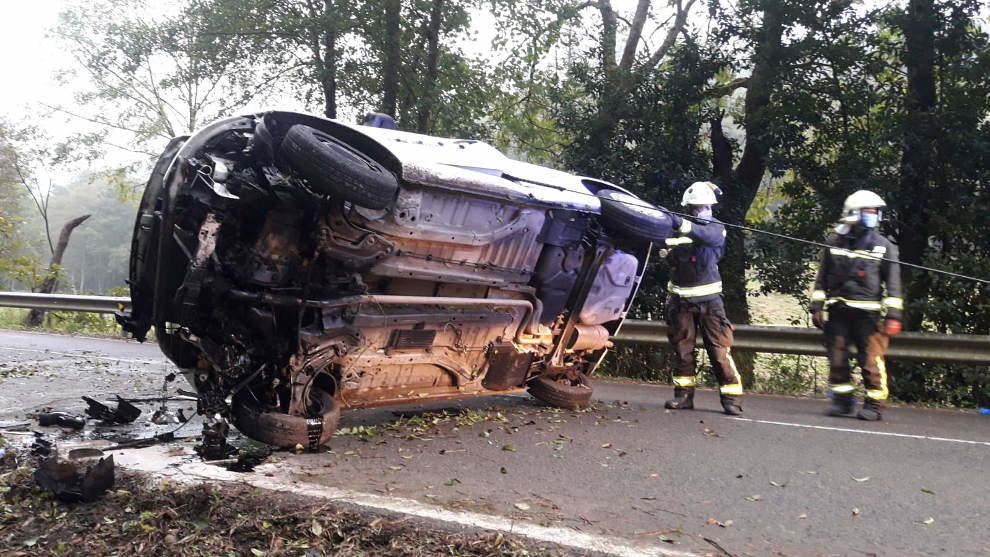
(152, 516)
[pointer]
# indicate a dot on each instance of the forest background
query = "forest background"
(789, 105)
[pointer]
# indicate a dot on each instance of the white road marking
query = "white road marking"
(866, 432)
(186, 468)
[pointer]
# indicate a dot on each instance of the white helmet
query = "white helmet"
(862, 199)
(700, 193)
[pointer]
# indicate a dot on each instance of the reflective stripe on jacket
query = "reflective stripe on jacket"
(856, 272)
(693, 257)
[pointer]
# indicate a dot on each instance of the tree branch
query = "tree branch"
(668, 42)
(635, 33)
(725, 88)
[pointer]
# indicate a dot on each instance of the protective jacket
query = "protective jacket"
(693, 256)
(854, 271)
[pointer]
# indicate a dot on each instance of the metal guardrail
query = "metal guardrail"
(64, 302)
(926, 347)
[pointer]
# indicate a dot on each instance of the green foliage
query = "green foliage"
(63, 322)
(859, 127)
(155, 77)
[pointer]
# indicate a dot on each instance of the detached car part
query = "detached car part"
(294, 267)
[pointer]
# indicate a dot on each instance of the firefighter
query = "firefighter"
(854, 271)
(694, 300)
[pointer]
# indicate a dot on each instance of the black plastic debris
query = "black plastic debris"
(41, 447)
(215, 445)
(61, 419)
(166, 437)
(85, 452)
(69, 484)
(124, 413)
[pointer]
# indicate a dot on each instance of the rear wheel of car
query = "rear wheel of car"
(562, 393)
(333, 167)
(281, 429)
(627, 215)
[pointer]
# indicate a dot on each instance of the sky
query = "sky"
(29, 60)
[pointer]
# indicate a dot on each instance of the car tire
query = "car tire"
(334, 168)
(280, 429)
(627, 215)
(561, 394)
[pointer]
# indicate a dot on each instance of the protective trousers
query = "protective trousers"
(845, 327)
(684, 318)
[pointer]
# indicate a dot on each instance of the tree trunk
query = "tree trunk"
(36, 316)
(741, 190)
(390, 70)
(328, 73)
(432, 68)
(918, 139)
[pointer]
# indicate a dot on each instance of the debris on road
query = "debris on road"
(124, 413)
(69, 485)
(143, 442)
(61, 419)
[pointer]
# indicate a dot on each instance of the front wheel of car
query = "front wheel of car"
(630, 216)
(563, 392)
(282, 430)
(333, 167)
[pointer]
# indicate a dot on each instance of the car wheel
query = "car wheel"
(280, 429)
(628, 215)
(333, 167)
(563, 393)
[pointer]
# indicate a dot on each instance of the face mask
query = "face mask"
(869, 220)
(705, 214)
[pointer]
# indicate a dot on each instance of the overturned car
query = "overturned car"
(294, 266)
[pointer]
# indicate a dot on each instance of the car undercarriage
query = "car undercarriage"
(294, 266)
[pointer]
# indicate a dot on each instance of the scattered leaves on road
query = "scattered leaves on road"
(855, 511)
(803, 516)
(521, 506)
(754, 498)
(775, 484)
(713, 522)
(928, 491)
(510, 448)
(710, 432)
(607, 446)
(451, 482)
(928, 520)
(861, 480)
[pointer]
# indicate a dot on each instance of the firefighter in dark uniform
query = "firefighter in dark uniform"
(856, 268)
(694, 300)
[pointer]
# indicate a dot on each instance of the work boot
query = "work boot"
(683, 399)
(842, 405)
(731, 406)
(870, 411)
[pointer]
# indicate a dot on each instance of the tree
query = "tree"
(23, 153)
(155, 79)
(900, 106)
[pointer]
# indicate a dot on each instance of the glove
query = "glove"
(891, 327)
(675, 221)
(818, 319)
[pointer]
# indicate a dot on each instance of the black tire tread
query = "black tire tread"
(334, 168)
(619, 218)
(561, 395)
(279, 429)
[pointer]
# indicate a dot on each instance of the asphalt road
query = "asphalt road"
(781, 480)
